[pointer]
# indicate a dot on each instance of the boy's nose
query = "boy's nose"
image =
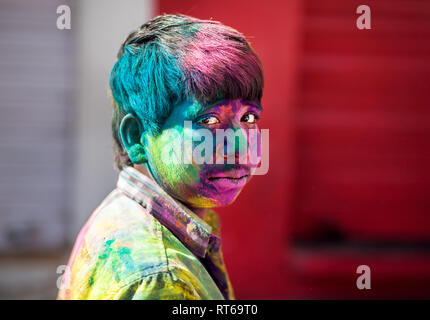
(237, 145)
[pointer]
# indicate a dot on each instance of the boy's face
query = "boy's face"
(196, 182)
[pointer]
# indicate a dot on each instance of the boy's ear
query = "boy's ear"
(130, 132)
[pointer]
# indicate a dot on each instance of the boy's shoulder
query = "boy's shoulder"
(122, 243)
(122, 221)
(125, 234)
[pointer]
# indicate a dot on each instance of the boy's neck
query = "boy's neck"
(200, 212)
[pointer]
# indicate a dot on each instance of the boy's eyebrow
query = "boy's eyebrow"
(196, 108)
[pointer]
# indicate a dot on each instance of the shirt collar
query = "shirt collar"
(189, 228)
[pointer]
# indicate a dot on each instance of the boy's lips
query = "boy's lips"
(232, 179)
(233, 174)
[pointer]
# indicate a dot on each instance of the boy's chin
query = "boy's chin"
(216, 201)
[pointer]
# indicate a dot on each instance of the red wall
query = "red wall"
(362, 124)
(349, 180)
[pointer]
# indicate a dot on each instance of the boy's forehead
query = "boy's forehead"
(194, 107)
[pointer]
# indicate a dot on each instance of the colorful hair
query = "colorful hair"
(173, 58)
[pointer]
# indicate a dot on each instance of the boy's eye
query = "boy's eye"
(209, 120)
(250, 118)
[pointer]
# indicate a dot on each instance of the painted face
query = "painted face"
(175, 157)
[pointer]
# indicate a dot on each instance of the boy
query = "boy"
(155, 236)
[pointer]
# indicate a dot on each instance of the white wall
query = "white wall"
(102, 25)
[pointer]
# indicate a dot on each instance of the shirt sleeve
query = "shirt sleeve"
(164, 285)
